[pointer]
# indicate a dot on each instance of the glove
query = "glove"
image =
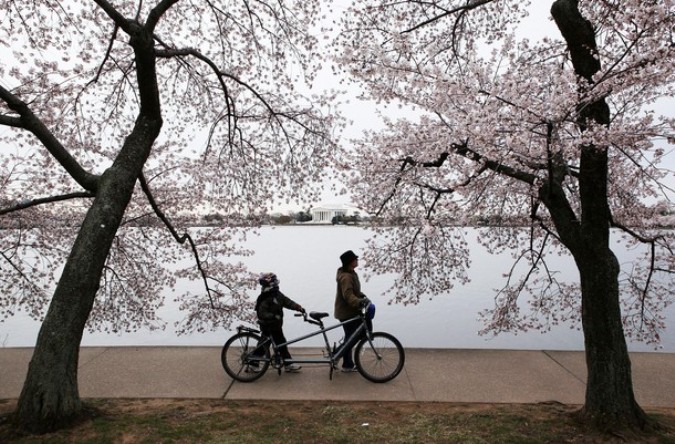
(302, 310)
(365, 301)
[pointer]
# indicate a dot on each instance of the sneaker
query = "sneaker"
(349, 369)
(292, 368)
(253, 369)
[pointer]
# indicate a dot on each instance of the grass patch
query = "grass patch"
(220, 421)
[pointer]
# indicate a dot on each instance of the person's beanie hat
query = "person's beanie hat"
(347, 257)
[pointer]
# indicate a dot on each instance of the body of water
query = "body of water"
(306, 259)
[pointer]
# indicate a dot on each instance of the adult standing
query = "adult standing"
(348, 302)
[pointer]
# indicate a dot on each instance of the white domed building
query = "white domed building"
(330, 213)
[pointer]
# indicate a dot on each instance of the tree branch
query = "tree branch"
(10, 121)
(107, 55)
(221, 75)
(180, 239)
(157, 12)
(32, 123)
(168, 53)
(579, 34)
(651, 241)
(43, 200)
(463, 150)
(471, 4)
(33, 287)
(116, 17)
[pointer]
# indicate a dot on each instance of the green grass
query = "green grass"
(219, 421)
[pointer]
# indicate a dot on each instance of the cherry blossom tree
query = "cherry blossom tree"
(119, 120)
(555, 141)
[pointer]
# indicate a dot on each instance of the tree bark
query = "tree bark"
(50, 397)
(610, 401)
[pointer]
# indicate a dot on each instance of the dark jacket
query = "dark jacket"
(348, 297)
(270, 306)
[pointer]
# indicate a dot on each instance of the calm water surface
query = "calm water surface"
(306, 257)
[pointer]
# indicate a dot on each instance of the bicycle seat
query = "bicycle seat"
(317, 316)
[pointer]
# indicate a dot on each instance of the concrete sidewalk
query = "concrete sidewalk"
(448, 375)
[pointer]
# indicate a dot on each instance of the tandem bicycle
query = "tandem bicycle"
(378, 356)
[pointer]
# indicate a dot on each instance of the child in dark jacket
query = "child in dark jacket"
(269, 308)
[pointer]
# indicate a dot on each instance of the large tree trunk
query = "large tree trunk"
(610, 401)
(50, 397)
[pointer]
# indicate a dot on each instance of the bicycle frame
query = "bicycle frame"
(378, 356)
(333, 355)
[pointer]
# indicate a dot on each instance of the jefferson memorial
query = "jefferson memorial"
(325, 213)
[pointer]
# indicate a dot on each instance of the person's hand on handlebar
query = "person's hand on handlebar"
(365, 301)
(301, 312)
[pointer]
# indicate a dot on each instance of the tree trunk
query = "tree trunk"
(610, 402)
(50, 397)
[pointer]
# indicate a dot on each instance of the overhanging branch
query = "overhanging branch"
(32, 123)
(461, 149)
(222, 76)
(180, 239)
(43, 200)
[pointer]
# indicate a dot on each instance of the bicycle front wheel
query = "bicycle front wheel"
(381, 359)
(242, 359)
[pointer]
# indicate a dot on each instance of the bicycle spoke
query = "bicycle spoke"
(380, 359)
(236, 353)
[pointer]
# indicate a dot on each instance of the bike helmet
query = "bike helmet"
(268, 280)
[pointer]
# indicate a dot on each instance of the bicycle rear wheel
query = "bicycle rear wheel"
(236, 357)
(382, 361)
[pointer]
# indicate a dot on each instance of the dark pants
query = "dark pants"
(349, 328)
(275, 332)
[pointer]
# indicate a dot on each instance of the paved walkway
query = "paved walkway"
(448, 375)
